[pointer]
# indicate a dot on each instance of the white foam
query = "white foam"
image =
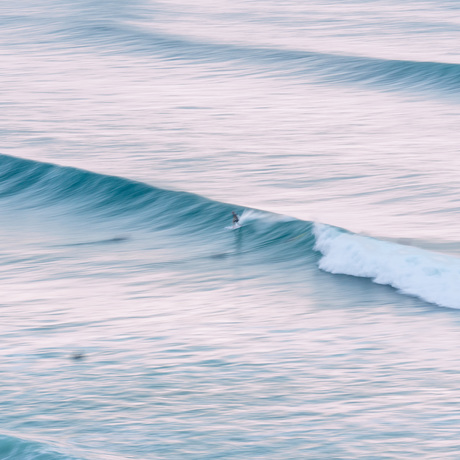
(430, 276)
(251, 215)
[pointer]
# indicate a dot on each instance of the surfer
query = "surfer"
(236, 219)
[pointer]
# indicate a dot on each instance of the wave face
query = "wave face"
(413, 271)
(35, 186)
(14, 448)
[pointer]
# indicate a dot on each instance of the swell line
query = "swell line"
(384, 74)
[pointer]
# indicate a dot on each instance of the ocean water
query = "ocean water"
(135, 324)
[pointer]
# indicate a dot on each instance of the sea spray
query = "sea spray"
(430, 276)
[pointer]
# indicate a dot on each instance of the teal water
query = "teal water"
(136, 324)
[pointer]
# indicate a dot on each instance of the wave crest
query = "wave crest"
(427, 275)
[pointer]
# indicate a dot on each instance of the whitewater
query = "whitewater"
(136, 324)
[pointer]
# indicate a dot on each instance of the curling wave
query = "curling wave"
(268, 237)
(417, 272)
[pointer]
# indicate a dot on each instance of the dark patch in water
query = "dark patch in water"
(223, 255)
(117, 239)
(77, 355)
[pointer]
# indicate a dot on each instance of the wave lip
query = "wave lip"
(427, 275)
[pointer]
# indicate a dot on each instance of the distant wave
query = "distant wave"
(430, 276)
(387, 74)
(100, 28)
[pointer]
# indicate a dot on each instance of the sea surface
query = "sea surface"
(135, 323)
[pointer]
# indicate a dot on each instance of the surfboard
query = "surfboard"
(234, 226)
